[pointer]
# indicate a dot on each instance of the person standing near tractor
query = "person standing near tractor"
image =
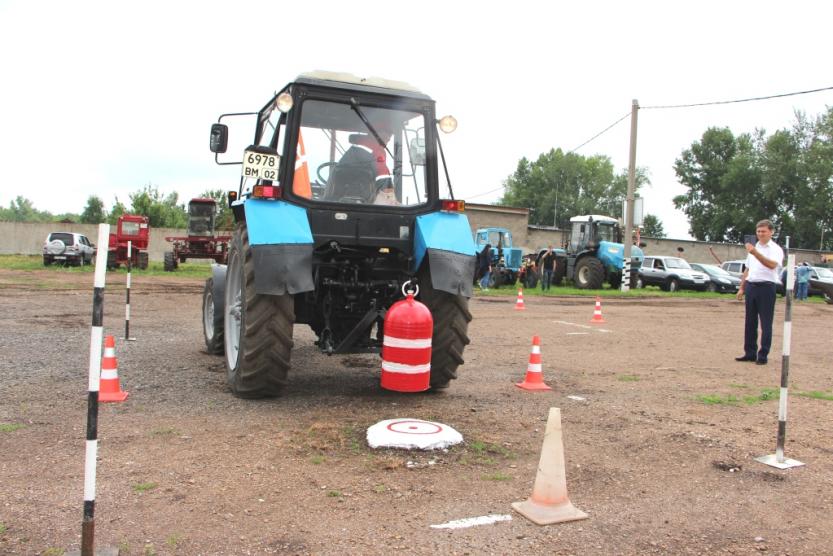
(547, 268)
(484, 266)
(758, 285)
(802, 278)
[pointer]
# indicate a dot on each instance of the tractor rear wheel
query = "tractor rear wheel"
(451, 324)
(258, 327)
(170, 261)
(212, 321)
(590, 274)
(143, 260)
(559, 272)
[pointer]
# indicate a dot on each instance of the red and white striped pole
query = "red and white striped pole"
(127, 303)
(96, 334)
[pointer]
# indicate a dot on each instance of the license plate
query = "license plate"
(262, 166)
(59, 258)
(696, 281)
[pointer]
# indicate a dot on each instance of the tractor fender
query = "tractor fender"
(218, 273)
(281, 241)
(445, 240)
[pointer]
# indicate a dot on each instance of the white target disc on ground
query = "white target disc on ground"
(412, 433)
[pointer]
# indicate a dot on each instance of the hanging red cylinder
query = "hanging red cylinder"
(406, 347)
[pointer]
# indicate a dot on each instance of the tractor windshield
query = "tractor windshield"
(606, 232)
(360, 155)
(201, 219)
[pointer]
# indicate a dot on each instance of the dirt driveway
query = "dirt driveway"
(186, 468)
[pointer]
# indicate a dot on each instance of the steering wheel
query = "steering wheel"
(325, 165)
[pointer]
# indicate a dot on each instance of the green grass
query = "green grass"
(144, 487)
(155, 268)
(816, 395)
(10, 427)
(497, 476)
(334, 494)
(2, 527)
(165, 431)
(317, 460)
(730, 399)
(627, 378)
(52, 551)
(173, 540)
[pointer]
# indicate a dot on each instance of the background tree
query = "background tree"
(735, 181)
(22, 210)
(162, 212)
(118, 210)
(570, 183)
(94, 212)
(652, 226)
(225, 218)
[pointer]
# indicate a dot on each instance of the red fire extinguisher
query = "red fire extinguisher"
(406, 347)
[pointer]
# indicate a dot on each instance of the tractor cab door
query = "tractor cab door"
(579, 236)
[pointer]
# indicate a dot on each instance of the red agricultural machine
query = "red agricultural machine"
(135, 229)
(201, 242)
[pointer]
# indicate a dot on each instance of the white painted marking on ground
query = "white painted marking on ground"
(578, 333)
(473, 521)
(577, 398)
(585, 326)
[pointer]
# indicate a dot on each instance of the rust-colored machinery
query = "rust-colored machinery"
(201, 243)
(131, 228)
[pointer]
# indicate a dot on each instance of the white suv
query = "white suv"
(67, 248)
(670, 274)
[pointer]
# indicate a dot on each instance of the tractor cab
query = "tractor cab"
(201, 214)
(588, 231)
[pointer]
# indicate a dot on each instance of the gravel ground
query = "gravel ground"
(186, 468)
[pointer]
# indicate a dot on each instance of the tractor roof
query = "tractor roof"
(353, 82)
(595, 217)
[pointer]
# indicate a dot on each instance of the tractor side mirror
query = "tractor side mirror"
(417, 151)
(219, 138)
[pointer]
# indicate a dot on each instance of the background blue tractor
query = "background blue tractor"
(505, 260)
(595, 253)
(339, 205)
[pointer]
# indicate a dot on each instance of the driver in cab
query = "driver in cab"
(366, 149)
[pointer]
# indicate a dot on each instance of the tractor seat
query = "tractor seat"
(351, 184)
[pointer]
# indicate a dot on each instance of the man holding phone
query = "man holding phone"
(763, 266)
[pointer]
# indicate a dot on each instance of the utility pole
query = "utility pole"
(628, 241)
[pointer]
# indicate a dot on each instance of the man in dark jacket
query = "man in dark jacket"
(484, 266)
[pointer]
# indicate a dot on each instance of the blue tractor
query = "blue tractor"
(505, 260)
(595, 254)
(339, 205)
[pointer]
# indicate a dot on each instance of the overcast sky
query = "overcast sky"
(102, 98)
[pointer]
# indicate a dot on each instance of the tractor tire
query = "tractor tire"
(590, 274)
(212, 321)
(170, 262)
(143, 260)
(494, 280)
(257, 328)
(559, 272)
(451, 324)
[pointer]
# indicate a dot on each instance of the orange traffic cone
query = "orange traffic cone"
(549, 502)
(109, 389)
(597, 313)
(519, 305)
(534, 379)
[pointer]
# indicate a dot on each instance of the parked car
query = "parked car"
(735, 268)
(67, 248)
(719, 279)
(670, 274)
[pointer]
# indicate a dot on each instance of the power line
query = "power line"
(599, 134)
(735, 101)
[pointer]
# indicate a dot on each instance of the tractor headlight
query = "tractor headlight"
(284, 102)
(448, 124)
